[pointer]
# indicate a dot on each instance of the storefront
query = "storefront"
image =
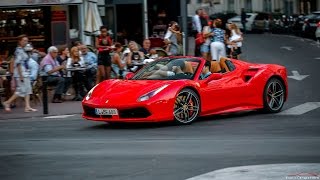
(126, 18)
(46, 22)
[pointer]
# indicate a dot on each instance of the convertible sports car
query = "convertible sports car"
(173, 89)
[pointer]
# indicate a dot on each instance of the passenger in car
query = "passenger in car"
(206, 70)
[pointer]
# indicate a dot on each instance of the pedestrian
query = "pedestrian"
(217, 46)
(234, 41)
(197, 28)
(32, 63)
(76, 61)
(173, 39)
(205, 47)
(244, 20)
(119, 63)
(103, 44)
(22, 76)
(134, 56)
(52, 68)
(147, 50)
(91, 63)
(62, 58)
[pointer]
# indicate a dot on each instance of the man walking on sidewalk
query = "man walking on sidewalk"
(197, 28)
(244, 20)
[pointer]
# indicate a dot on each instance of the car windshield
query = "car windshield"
(169, 69)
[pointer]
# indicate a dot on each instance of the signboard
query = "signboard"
(58, 16)
(37, 2)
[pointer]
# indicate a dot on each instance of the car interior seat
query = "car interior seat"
(215, 67)
(188, 68)
(223, 65)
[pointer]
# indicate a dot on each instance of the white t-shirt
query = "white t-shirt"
(69, 64)
(235, 37)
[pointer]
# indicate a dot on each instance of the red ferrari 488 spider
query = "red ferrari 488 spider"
(182, 89)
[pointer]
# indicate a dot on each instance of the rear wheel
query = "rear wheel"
(274, 96)
(186, 107)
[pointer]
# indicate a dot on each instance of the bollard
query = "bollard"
(45, 94)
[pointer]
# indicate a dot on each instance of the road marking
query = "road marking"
(286, 47)
(317, 58)
(266, 172)
(301, 109)
(297, 76)
(59, 116)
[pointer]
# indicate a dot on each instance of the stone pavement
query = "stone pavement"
(67, 107)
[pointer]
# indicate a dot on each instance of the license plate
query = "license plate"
(106, 111)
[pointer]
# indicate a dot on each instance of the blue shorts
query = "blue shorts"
(204, 48)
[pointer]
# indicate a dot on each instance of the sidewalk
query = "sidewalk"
(67, 107)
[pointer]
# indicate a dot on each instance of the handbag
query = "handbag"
(199, 39)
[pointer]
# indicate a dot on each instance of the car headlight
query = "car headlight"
(151, 93)
(89, 94)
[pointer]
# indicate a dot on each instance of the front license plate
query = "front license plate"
(106, 111)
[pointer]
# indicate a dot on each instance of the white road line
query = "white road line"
(317, 58)
(59, 116)
(301, 109)
(265, 172)
(297, 76)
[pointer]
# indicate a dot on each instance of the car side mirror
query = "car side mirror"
(214, 76)
(129, 75)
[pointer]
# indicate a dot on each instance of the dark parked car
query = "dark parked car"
(310, 24)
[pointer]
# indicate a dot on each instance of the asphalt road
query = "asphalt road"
(73, 148)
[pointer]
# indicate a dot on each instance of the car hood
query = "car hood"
(126, 91)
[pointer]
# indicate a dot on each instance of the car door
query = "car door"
(226, 93)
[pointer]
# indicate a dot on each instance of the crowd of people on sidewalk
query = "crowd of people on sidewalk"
(80, 68)
(77, 66)
(212, 41)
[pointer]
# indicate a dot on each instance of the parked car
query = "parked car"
(261, 22)
(317, 34)
(310, 24)
(255, 21)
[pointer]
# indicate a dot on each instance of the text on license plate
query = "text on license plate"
(106, 111)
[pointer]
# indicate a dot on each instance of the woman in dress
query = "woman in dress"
(22, 76)
(103, 44)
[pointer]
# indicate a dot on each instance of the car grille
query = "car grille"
(134, 113)
(90, 112)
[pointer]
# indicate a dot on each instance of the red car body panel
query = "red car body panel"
(241, 89)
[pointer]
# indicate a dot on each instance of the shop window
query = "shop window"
(17, 21)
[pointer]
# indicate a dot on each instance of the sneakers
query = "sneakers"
(66, 94)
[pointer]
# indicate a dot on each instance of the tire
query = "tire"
(273, 96)
(187, 107)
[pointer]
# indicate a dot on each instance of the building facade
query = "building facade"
(288, 7)
(45, 22)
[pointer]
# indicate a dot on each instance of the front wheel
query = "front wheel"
(186, 107)
(274, 96)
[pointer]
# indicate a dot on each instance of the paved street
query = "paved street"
(72, 148)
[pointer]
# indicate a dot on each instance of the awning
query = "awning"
(93, 20)
(37, 2)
